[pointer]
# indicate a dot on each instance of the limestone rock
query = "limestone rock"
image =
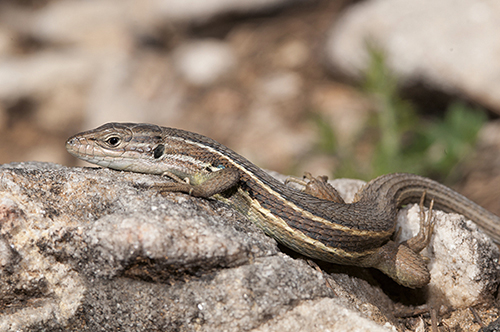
(92, 249)
(448, 45)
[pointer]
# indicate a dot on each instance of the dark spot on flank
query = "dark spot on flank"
(158, 151)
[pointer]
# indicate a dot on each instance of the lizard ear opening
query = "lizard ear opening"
(158, 151)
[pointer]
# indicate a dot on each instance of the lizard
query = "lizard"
(315, 222)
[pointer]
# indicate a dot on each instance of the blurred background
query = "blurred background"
(342, 88)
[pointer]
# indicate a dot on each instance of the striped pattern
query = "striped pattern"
(330, 231)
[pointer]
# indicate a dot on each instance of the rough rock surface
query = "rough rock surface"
(448, 45)
(86, 249)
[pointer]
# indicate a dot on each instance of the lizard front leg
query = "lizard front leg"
(204, 186)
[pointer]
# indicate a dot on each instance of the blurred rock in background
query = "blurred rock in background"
(446, 45)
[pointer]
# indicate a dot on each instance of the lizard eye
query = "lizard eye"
(113, 141)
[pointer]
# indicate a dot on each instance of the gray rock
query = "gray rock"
(97, 250)
(31, 75)
(449, 45)
(203, 62)
(203, 10)
(317, 316)
(462, 260)
(68, 21)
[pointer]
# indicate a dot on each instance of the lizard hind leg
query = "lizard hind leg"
(422, 239)
(401, 263)
(318, 187)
